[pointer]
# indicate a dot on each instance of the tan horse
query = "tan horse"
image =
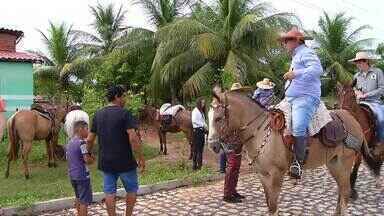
(28, 125)
(181, 123)
(347, 100)
(234, 114)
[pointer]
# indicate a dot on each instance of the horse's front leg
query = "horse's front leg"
(165, 142)
(161, 141)
(48, 147)
(272, 181)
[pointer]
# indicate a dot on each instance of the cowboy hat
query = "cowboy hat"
(265, 84)
(361, 56)
(236, 86)
(294, 33)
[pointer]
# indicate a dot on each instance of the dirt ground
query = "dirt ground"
(178, 148)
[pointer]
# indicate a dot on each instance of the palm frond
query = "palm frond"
(199, 81)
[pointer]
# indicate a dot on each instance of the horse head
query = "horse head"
(147, 114)
(346, 96)
(225, 121)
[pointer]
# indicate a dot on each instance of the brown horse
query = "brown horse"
(347, 100)
(28, 125)
(233, 114)
(180, 123)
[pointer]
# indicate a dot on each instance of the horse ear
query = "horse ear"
(216, 91)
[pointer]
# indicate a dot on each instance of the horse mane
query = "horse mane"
(242, 96)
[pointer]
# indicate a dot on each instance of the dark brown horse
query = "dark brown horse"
(28, 125)
(233, 114)
(347, 100)
(180, 123)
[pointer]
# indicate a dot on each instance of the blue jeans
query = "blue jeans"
(303, 109)
(129, 179)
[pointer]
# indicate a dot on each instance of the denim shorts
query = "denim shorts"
(129, 180)
(83, 191)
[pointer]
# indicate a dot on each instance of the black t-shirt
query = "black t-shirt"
(110, 124)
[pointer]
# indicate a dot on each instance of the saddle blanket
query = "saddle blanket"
(168, 109)
(319, 120)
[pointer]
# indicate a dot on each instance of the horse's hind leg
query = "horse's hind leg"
(354, 194)
(27, 145)
(271, 182)
(340, 168)
(7, 170)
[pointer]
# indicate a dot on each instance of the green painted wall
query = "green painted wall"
(16, 85)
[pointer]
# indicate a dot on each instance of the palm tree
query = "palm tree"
(233, 36)
(338, 43)
(58, 67)
(161, 13)
(109, 27)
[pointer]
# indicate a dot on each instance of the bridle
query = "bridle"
(232, 139)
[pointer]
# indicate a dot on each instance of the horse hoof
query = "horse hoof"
(354, 195)
(54, 165)
(6, 175)
(27, 177)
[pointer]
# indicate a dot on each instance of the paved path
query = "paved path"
(315, 195)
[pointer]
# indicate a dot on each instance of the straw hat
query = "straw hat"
(265, 84)
(236, 86)
(294, 33)
(361, 56)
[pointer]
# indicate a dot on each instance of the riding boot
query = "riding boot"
(300, 150)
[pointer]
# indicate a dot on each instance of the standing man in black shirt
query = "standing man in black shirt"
(115, 127)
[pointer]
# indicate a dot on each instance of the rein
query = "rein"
(229, 142)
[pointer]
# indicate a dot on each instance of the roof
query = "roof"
(17, 33)
(19, 57)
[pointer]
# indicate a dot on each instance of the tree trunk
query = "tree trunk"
(173, 95)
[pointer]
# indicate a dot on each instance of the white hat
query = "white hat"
(361, 56)
(265, 84)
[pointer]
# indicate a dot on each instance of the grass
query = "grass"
(51, 183)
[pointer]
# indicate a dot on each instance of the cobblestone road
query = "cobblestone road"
(315, 195)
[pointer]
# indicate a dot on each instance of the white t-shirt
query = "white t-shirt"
(198, 120)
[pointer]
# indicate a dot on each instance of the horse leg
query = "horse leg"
(354, 194)
(7, 170)
(54, 144)
(340, 168)
(191, 145)
(161, 141)
(272, 181)
(27, 145)
(165, 143)
(47, 143)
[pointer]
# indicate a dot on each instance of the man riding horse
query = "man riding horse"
(302, 92)
(369, 87)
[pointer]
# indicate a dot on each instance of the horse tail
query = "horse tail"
(373, 164)
(13, 145)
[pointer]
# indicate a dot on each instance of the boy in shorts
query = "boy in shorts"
(78, 157)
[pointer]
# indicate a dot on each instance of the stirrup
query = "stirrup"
(295, 170)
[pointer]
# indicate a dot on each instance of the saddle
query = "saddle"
(330, 135)
(47, 111)
(169, 121)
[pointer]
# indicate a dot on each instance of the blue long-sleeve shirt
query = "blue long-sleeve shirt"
(307, 69)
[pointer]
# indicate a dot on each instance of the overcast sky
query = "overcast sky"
(30, 15)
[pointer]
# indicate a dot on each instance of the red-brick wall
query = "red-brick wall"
(7, 42)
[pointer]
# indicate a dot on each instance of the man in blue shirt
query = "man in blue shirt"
(302, 92)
